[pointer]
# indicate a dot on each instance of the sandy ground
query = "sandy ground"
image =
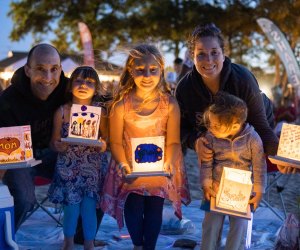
(290, 193)
(266, 224)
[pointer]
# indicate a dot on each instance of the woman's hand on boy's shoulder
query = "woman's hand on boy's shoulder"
(204, 153)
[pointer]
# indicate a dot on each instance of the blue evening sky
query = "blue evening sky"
(26, 43)
(6, 26)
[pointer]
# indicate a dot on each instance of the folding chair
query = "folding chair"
(273, 177)
(42, 181)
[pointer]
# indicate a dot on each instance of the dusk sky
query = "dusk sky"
(6, 26)
(26, 43)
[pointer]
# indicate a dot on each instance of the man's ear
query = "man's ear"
(27, 70)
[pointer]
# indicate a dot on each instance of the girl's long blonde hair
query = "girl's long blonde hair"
(126, 83)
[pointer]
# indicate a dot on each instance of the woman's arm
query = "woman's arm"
(257, 113)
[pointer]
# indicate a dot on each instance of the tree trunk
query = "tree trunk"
(277, 70)
(176, 52)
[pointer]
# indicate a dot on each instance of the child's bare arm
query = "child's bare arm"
(103, 129)
(116, 130)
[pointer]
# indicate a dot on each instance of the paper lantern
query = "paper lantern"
(16, 148)
(84, 125)
(234, 193)
(288, 153)
(148, 156)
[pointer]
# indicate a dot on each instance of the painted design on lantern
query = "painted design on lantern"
(234, 190)
(84, 121)
(15, 144)
(9, 145)
(147, 153)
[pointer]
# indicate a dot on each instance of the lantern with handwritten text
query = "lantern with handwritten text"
(288, 153)
(233, 193)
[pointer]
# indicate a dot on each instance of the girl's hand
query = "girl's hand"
(103, 146)
(256, 200)
(169, 167)
(204, 153)
(60, 146)
(124, 169)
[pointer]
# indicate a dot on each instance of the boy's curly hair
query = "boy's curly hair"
(228, 108)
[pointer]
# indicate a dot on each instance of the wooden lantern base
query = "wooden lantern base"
(282, 161)
(213, 208)
(81, 141)
(147, 174)
(22, 164)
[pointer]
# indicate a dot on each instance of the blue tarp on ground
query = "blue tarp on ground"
(41, 232)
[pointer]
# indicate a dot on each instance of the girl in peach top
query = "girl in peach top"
(143, 107)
